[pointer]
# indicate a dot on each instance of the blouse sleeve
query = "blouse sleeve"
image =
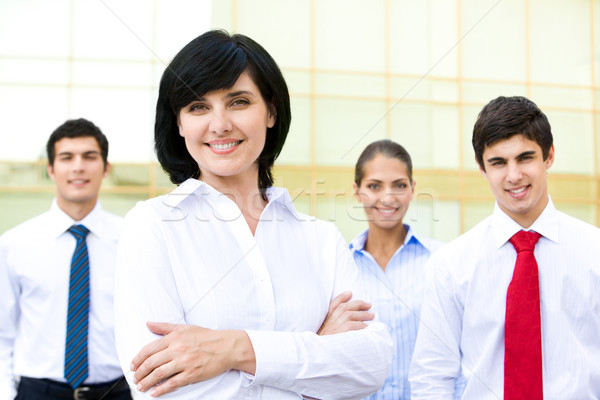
(144, 287)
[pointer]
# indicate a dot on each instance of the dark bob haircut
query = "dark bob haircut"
(214, 61)
(385, 147)
(76, 128)
(505, 117)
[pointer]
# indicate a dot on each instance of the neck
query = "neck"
(77, 211)
(527, 219)
(385, 241)
(244, 192)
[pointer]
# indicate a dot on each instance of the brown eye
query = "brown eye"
(240, 102)
(198, 107)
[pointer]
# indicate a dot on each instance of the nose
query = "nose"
(220, 122)
(387, 198)
(514, 173)
(78, 163)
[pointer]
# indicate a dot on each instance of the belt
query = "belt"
(101, 391)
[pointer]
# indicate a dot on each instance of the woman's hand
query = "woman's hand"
(188, 354)
(345, 315)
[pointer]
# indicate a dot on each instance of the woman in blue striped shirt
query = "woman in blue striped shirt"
(390, 254)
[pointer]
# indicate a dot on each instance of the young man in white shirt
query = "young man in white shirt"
(466, 311)
(42, 263)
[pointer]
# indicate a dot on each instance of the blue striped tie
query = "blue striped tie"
(76, 352)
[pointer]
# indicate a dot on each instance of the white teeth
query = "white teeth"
(78, 181)
(518, 190)
(387, 211)
(224, 146)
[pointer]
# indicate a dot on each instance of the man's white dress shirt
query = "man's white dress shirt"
(189, 257)
(462, 319)
(35, 265)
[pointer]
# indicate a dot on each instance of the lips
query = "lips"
(386, 212)
(224, 146)
(519, 191)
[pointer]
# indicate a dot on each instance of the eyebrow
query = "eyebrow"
(494, 159)
(238, 93)
(526, 153)
(232, 94)
(378, 181)
(85, 153)
(523, 154)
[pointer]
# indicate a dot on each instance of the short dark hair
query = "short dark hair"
(75, 128)
(384, 147)
(504, 117)
(213, 61)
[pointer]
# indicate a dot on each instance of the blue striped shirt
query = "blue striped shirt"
(396, 295)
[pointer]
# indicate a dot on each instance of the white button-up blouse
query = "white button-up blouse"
(189, 257)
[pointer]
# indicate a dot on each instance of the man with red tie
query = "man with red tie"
(514, 303)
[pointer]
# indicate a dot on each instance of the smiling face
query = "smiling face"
(78, 171)
(516, 172)
(225, 131)
(385, 191)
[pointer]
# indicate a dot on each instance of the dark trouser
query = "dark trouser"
(46, 389)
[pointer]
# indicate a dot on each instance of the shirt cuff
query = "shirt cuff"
(276, 353)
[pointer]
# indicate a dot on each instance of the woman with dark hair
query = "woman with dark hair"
(239, 280)
(390, 255)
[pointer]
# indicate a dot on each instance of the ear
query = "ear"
(550, 160)
(179, 127)
(481, 170)
(272, 117)
(356, 195)
(106, 169)
(412, 189)
(50, 171)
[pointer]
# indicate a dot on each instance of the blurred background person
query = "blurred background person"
(390, 255)
(56, 282)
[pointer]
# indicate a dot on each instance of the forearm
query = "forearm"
(242, 352)
(347, 365)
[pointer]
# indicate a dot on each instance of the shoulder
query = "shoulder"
(112, 219)
(429, 243)
(146, 211)
(478, 237)
(577, 233)
(25, 229)
(315, 225)
(572, 224)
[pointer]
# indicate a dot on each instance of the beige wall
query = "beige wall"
(417, 72)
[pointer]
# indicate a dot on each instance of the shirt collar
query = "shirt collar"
(220, 202)
(358, 243)
(61, 221)
(505, 227)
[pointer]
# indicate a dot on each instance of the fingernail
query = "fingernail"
(139, 387)
(132, 367)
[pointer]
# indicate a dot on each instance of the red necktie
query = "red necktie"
(523, 333)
